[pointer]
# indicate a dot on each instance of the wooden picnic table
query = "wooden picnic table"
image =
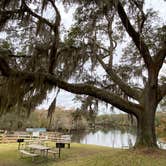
(41, 148)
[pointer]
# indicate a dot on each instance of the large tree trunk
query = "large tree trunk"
(146, 136)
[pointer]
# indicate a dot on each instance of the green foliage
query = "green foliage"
(161, 124)
(163, 104)
(86, 55)
(115, 120)
(13, 121)
(97, 31)
(64, 120)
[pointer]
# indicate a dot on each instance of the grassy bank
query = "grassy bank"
(87, 155)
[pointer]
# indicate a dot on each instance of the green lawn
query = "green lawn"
(87, 155)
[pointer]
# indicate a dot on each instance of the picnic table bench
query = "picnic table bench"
(54, 152)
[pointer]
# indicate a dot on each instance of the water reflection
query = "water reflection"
(113, 137)
(116, 138)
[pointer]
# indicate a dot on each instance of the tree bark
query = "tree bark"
(146, 136)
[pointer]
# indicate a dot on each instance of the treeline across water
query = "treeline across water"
(61, 119)
(68, 120)
(115, 120)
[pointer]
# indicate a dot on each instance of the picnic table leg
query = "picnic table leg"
(42, 153)
(59, 152)
(54, 156)
(19, 146)
(46, 153)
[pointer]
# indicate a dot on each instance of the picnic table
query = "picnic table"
(44, 150)
(41, 148)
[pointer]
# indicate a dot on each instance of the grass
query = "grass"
(87, 155)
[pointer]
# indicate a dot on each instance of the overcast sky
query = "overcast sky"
(65, 99)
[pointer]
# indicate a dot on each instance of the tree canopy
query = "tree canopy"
(37, 56)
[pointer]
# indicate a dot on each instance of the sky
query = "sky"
(65, 99)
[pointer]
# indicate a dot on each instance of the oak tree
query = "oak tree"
(35, 57)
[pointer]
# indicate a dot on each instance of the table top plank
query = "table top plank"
(38, 147)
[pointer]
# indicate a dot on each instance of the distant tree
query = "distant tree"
(40, 60)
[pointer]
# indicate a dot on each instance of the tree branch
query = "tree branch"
(86, 89)
(139, 5)
(9, 12)
(55, 28)
(53, 52)
(93, 91)
(4, 67)
(20, 56)
(160, 56)
(110, 18)
(137, 39)
(124, 87)
(43, 20)
(58, 16)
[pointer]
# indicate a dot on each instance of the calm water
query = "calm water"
(116, 138)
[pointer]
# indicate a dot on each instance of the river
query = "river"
(116, 138)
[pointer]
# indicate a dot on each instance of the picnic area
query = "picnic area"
(54, 148)
(82, 83)
(85, 155)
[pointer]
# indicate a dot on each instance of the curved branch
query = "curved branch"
(137, 39)
(58, 16)
(86, 89)
(123, 86)
(43, 20)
